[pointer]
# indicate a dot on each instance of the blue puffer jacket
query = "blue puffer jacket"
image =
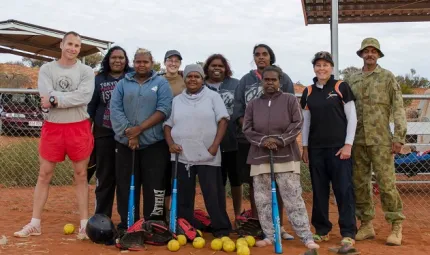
(131, 104)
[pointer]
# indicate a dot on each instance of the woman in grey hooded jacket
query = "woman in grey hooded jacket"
(195, 130)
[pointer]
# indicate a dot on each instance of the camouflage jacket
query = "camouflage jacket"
(378, 95)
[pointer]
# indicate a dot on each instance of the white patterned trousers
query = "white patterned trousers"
(291, 193)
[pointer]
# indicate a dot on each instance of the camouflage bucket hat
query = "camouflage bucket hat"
(370, 42)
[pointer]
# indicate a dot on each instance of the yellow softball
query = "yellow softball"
(69, 229)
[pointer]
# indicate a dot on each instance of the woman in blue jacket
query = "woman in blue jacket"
(139, 105)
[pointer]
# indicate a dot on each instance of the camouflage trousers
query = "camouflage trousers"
(381, 161)
(291, 193)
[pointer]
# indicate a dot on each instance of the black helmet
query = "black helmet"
(100, 229)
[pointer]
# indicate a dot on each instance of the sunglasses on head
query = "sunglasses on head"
(322, 54)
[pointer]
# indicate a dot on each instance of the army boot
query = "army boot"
(395, 238)
(365, 231)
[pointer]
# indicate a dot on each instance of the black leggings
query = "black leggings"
(210, 179)
(105, 174)
(229, 168)
(150, 169)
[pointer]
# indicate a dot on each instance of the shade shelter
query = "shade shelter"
(42, 43)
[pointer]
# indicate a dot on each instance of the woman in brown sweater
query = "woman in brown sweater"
(172, 61)
(272, 122)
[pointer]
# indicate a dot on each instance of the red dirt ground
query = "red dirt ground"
(15, 212)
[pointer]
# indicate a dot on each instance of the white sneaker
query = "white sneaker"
(263, 243)
(29, 230)
(311, 245)
(82, 235)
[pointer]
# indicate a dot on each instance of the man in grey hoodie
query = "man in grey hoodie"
(250, 88)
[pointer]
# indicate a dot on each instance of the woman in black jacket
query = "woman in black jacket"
(328, 133)
(113, 68)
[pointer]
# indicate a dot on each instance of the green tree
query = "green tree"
(347, 72)
(157, 66)
(93, 60)
(18, 63)
(406, 90)
(33, 62)
(14, 80)
(413, 80)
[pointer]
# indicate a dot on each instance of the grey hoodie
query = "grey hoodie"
(72, 85)
(226, 91)
(194, 122)
(249, 88)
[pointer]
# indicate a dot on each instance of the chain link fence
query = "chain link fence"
(21, 120)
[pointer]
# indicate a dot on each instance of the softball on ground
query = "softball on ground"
(243, 250)
(182, 240)
(216, 244)
(173, 245)
(69, 229)
(225, 238)
(199, 243)
(241, 241)
(239, 245)
(228, 246)
(250, 240)
(200, 232)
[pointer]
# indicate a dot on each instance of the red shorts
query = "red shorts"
(60, 139)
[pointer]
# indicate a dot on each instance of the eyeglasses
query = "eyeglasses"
(169, 61)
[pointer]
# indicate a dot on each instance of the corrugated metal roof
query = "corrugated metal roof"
(367, 11)
(29, 40)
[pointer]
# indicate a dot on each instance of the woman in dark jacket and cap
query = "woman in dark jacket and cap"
(329, 127)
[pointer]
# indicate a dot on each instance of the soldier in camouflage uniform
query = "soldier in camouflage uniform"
(378, 96)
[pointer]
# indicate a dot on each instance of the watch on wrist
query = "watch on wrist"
(52, 101)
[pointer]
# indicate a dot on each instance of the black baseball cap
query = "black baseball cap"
(170, 53)
(323, 55)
